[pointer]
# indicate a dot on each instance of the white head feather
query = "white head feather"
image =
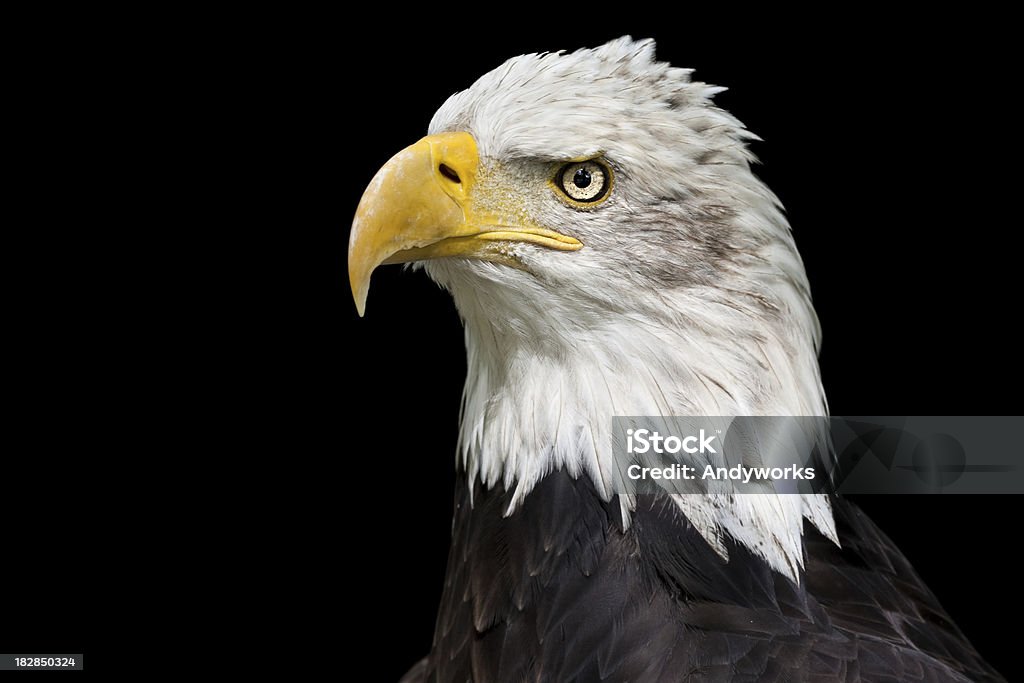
(689, 297)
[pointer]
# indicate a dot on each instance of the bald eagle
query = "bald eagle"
(595, 218)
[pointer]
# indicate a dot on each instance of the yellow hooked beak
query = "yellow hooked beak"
(420, 206)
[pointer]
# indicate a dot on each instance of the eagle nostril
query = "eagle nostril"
(449, 173)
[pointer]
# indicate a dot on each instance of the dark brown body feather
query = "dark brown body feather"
(559, 592)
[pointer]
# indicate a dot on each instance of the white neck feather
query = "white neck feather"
(544, 383)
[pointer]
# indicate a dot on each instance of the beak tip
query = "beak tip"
(359, 296)
(359, 283)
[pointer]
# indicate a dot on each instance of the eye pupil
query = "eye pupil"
(581, 178)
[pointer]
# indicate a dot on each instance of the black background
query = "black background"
(888, 143)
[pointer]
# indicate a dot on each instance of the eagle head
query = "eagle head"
(596, 220)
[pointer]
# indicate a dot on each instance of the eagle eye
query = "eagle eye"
(585, 182)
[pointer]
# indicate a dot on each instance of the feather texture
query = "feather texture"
(558, 591)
